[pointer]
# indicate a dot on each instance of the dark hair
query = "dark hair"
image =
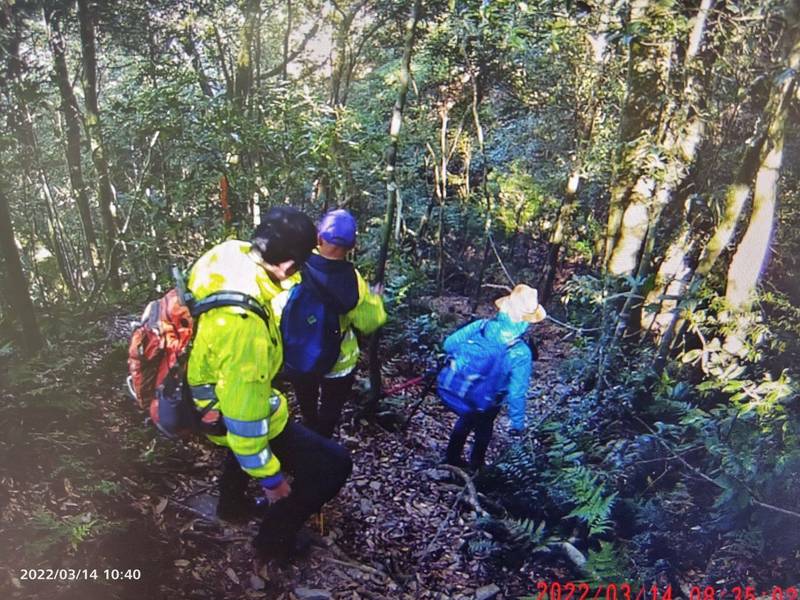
(284, 234)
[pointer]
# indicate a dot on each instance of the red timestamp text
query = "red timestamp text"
(624, 591)
(740, 592)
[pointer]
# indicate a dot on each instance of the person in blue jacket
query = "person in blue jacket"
(322, 397)
(516, 312)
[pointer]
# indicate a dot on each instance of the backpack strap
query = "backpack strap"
(227, 298)
(216, 300)
(197, 308)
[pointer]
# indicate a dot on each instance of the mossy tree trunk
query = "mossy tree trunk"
(751, 254)
(17, 292)
(94, 132)
(651, 49)
(72, 119)
(391, 193)
(683, 135)
(761, 161)
(243, 77)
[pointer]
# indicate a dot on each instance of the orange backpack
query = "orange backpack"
(158, 354)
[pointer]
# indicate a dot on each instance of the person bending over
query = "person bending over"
(234, 357)
(488, 363)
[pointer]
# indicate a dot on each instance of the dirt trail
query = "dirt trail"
(395, 531)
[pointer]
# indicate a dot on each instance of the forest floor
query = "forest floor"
(87, 487)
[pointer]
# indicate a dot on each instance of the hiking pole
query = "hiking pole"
(401, 386)
(431, 373)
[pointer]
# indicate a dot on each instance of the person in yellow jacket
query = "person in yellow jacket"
(234, 357)
(339, 284)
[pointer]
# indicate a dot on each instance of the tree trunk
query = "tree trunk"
(57, 236)
(286, 36)
(591, 76)
(487, 197)
(441, 180)
(391, 194)
(557, 237)
(341, 52)
(684, 130)
(223, 63)
(762, 159)
(105, 191)
(20, 120)
(641, 118)
(190, 47)
(751, 253)
(17, 293)
(243, 81)
(668, 124)
(72, 119)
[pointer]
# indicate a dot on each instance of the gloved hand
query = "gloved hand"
(281, 491)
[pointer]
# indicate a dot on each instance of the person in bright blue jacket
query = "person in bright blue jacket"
(516, 312)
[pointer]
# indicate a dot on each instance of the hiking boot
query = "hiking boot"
(284, 554)
(303, 541)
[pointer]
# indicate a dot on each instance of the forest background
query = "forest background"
(636, 160)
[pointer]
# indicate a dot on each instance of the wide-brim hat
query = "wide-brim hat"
(522, 304)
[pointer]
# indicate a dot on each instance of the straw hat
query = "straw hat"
(522, 304)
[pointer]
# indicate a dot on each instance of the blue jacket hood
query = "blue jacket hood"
(335, 280)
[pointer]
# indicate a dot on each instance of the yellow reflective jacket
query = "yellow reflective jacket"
(367, 316)
(235, 355)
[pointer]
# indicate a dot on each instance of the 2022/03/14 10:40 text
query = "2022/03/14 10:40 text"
(80, 574)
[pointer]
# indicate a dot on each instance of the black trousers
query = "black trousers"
(321, 401)
(319, 468)
(482, 423)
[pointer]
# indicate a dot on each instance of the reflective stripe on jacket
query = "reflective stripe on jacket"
(236, 355)
(518, 361)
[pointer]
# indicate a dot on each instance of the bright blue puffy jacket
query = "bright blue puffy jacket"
(517, 364)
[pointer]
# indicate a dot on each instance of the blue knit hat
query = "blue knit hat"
(338, 227)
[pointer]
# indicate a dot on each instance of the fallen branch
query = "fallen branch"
(346, 561)
(194, 511)
(469, 488)
(220, 539)
(359, 566)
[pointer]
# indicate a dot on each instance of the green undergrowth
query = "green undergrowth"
(70, 454)
(693, 475)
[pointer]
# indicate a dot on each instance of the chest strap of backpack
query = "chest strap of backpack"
(198, 307)
(226, 298)
(216, 300)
